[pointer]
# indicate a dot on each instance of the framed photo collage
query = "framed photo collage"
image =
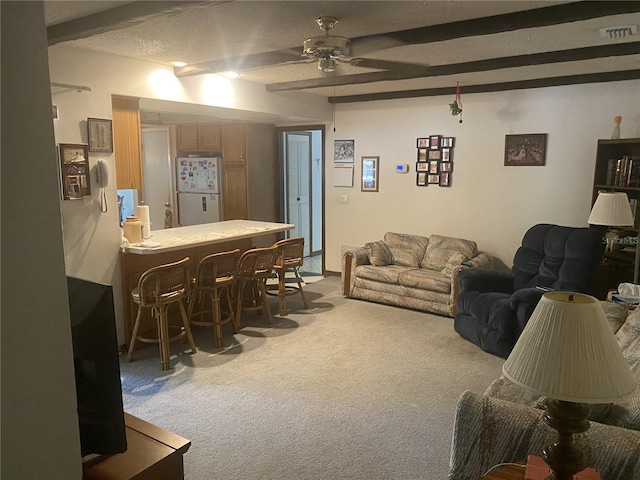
(434, 165)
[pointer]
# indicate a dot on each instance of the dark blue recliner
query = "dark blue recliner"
(493, 307)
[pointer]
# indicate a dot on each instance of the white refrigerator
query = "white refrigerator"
(198, 188)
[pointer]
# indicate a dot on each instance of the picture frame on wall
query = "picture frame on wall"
(421, 179)
(528, 150)
(447, 142)
(100, 135)
(445, 179)
(433, 166)
(370, 171)
(434, 155)
(446, 155)
(422, 166)
(422, 154)
(74, 170)
(446, 166)
(433, 178)
(343, 151)
(434, 142)
(423, 143)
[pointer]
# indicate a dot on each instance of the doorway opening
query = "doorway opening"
(301, 167)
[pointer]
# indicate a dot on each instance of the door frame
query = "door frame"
(281, 188)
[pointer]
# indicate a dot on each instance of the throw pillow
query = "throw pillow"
(616, 314)
(441, 250)
(453, 262)
(629, 331)
(379, 254)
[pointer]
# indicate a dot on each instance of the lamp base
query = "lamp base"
(564, 457)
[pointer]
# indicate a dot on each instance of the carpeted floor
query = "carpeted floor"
(344, 390)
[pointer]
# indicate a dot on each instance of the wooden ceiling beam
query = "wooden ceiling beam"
(571, 55)
(119, 17)
(494, 87)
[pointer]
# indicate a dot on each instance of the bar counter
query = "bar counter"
(195, 242)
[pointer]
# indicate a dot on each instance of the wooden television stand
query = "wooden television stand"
(152, 454)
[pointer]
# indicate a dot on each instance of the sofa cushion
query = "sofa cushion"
(425, 280)
(385, 274)
(407, 250)
(629, 331)
(441, 250)
(379, 253)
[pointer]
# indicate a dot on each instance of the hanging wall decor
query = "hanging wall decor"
(434, 164)
(456, 105)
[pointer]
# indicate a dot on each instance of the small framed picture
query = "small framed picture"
(423, 143)
(447, 142)
(74, 170)
(434, 154)
(446, 166)
(421, 179)
(422, 154)
(446, 155)
(343, 151)
(525, 150)
(422, 166)
(433, 178)
(100, 134)
(370, 169)
(445, 179)
(434, 142)
(433, 166)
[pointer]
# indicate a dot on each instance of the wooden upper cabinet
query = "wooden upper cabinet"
(234, 143)
(127, 142)
(198, 138)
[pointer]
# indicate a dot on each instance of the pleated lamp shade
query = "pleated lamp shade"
(611, 209)
(568, 352)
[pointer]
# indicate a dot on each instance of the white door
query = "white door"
(298, 183)
(156, 164)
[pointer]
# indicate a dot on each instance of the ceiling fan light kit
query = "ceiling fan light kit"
(326, 48)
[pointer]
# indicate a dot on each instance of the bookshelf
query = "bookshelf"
(617, 169)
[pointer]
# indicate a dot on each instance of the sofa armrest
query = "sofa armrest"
(488, 262)
(488, 431)
(482, 280)
(350, 260)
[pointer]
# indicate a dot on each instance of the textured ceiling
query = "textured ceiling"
(202, 32)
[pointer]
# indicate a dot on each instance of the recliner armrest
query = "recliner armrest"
(481, 280)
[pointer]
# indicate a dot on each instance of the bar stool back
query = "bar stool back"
(215, 277)
(255, 267)
(290, 258)
(159, 288)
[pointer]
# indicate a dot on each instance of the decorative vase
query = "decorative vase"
(616, 127)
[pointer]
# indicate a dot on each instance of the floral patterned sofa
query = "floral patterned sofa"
(412, 271)
(505, 424)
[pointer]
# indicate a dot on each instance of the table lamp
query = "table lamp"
(568, 353)
(612, 209)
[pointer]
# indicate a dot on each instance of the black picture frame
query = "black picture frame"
(434, 142)
(422, 154)
(421, 179)
(422, 142)
(422, 166)
(445, 179)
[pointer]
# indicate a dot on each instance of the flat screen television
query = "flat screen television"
(97, 368)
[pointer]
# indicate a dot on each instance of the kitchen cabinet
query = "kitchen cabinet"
(127, 142)
(249, 173)
(198, 138)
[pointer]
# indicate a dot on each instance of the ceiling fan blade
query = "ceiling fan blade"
(265, 59)
(387, 65)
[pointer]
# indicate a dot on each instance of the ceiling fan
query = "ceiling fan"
(327, 49)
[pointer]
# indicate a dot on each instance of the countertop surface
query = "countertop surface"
(209, 233)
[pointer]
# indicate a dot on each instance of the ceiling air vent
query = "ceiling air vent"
(616, 33)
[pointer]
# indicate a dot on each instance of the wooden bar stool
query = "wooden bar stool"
(290, 258)
(158, 288)
(215, 277)
(254, 268)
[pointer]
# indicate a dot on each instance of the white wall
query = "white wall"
(40, 438)
(487, 202)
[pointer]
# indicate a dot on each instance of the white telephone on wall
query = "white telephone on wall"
(102, 177)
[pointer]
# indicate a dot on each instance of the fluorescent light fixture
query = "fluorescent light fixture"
(178, 64)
